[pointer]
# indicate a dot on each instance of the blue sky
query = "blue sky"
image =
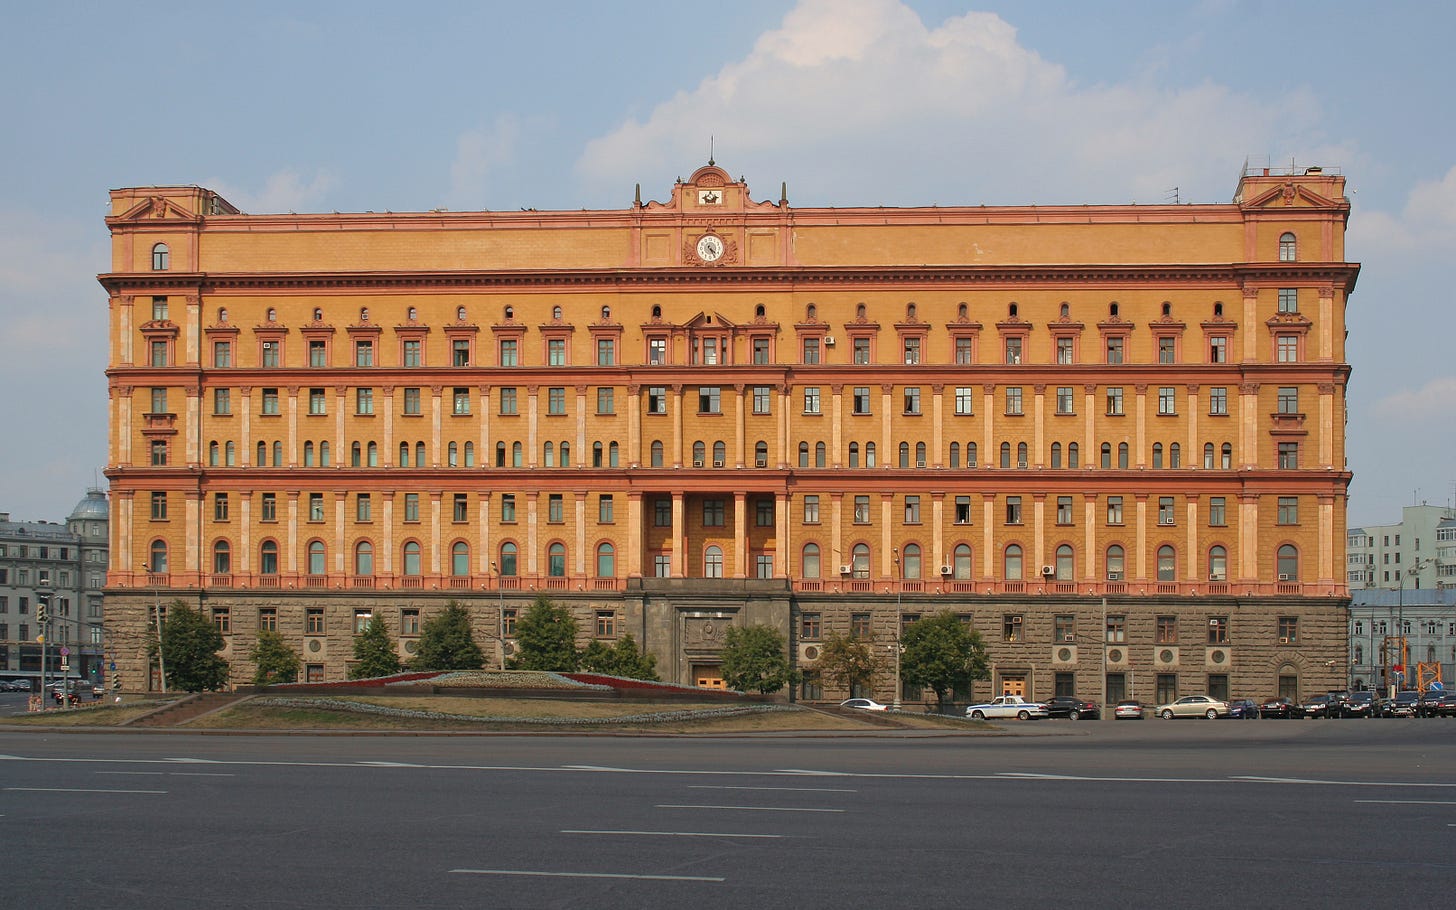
(370, 106)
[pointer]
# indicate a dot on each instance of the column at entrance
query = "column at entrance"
(740, 535)
(679, 538)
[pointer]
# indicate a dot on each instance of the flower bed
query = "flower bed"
(620, 682)
(377, 681)
(333, 704)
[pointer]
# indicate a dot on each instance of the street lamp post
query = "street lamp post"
(899, 624)
(43, 605)
(157, 612)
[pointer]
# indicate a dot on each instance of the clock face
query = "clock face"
(710, 248)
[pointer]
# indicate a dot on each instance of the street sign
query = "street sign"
(65, 652)
(111, 666)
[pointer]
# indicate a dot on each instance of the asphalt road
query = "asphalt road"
(1086, 814)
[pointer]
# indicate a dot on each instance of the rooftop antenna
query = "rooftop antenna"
(1172, 195)
(711, 162)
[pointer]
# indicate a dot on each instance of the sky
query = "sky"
(569, 104)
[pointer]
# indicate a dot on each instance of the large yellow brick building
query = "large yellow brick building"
(1112, 437)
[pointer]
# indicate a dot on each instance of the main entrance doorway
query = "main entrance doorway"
(1013, 684)
(708, 676)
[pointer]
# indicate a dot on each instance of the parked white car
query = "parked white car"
(1194, 706)
(1008, 706)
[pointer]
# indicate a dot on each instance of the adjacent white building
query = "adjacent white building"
(1425, 617)
(1418, 552)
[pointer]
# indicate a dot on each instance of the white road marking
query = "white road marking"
(200, 774)
(656, 878)
(789, 789)
(746, 808)
(135, 773)
(670, 833)
(74, 790)
(389, 764)
(1410, 802)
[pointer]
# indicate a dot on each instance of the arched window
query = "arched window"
(860, 560)
(1175, 455)
(262, 459)
(1157, 454)
(803, 454)
(612, 455)
(161, 258)
(606, 561)
(920, 455)
(1288, 562)
(910, 564)
(1005, 454)
(460, 559)
(556, 560)
(720, 452)
(1226, 457)
(1122, 454)
(1217, 564)
(268, 558)
(363, 558)
(412, 314)
(1011, 563)
(460, 314)
(222, 558)
(308, 454)
(809, 563)
(230, 455)
(419, 454)
(565, 454)
(470, 454)
(1021, 454)
(854, 454)
(556, 312)
(452, 455)
(1056, 454)
(1115, 560)
(1064, 563)
(500, 454)
(961, 564)
(1074, 459)
(518, 455)
(1167, 564)
(212, 454)
(317, 561)
(700, 453)
(548, 454)
(970, 454)
(404, 455)
(760, 454)
(508, 553)
(373, 454)
(356, 455)
(713, 562)
(1287, 247)
(1107, 455)
(869, 454)
(821, 455)
(1208, 455)
(278, 453)
(955, 454)
(597, 451)
(657, 453)
(412, 558)
(904, 454)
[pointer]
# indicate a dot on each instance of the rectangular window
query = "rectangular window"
(222, 618)
(764, 512)
(412, 401)
(1218, 400)
(363, 510)
(508, 507)
(1217, 512)
(314, 621)
(1288, 456)
(606, 624)
(460, 401)
(662, 512)
(315, 507)
(363, 401)
(713, 513)
(1166, 688)
(1165, 632)
(318, 354)
(811, 510)
(912, 510)
(963, 510)
(222, 401)
(1114, 401)
(606, 352)
(1013, 350)
(1064, 510)
(861, 350)
(1116, 630)
(272, 351)
(861, 399)
(1013, 400)
(411, 507)
(1167, 400)
(1218, 630)
(267, 619)
(219, 507)
(811, 350)
(657, 399)
(657, 351)
(965, 400)
(860, 625)
(1114, 510)
(810, 627)
(606, 400)
(912, 350)
(605, 509)
(409, 621)
(661, 565)
(1065, 348)
(1218, 349)
(364, 353)
(556, 400)
(556, 352)
(709, 400)
(1288, 510)
(1289, 630)
(317, 402)
(1013, 510)
(509, 352)
(964, 352)
(460, 507)
(1288, 348)
(1165, 510)
(159, 506)
(555, 508)
(761, 395)
(811, 400)
(912, 400)
(508, 622)
(1064, 628)
(709, 352)
(361, 619)
(1065, 400)
(1166, 349)
(1012, 626)
(1115, 349)
(270, 507)
(1289, 300)
(508, 400)
(270, 401)
(760, 351)
(861, 510)
(412, 355)
(159, 401)
(222, 354)
(460, 352)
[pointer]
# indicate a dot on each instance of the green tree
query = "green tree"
(847, 662)
(190, 646)
(943, 654)
(275, 661)
(447, 642)
(755, 659)
(622, 659)
(374, 653)
(546, 638)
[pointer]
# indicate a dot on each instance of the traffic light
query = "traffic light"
(116, 682)
(42, 613)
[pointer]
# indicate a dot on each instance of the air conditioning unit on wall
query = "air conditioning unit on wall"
(846, 569)
(808, 653)
(1048, 570)
(829, 341)
(946, 570)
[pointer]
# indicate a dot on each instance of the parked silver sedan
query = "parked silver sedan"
(1193, 706)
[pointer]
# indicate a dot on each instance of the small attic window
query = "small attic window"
(1287, 247)
(758, 311)
(272, 314)
(222, 315)
(363, 314)
(412, 314)
(962, 311)
(161, 258)
(318, 314)
(859, 311)
(510, 313)
(1217, 308)
(1167, 308)
(909, 312)
(1066, 311)
(1112, 308)
(656, 311)
(556, 312)
(1011, 310)
(606, 313)
(811, 313)
(460, 313)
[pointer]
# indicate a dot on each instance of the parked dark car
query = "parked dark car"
(1402, 705)
(1321, 706)
(1429, 703)
(1280, 707)
(1070, 706)
(1244, 709)
(1445, 706)
(1361, 704)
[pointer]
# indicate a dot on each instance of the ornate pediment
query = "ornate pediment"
(1290, 194)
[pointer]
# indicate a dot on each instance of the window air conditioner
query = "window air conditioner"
(946, 570)
(717, 462)
(846, 569)
(829, 341)
(1021, 465)
(697, 462)
(920, 464)
(1016, 620)
(1069, 637)
(759, 462)
(1114, 576)
(1165, 520)
(1284, 639)
(1217, 576)
(1048, 570)
(970, 462)
(1283, 577)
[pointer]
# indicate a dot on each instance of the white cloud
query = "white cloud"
(1431, 402)
(957, 113)
(282, 191)
(479, 153)
(1425, 225)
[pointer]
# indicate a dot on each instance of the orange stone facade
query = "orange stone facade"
(1111, 437)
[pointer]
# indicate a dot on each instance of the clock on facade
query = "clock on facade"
(710, 248)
